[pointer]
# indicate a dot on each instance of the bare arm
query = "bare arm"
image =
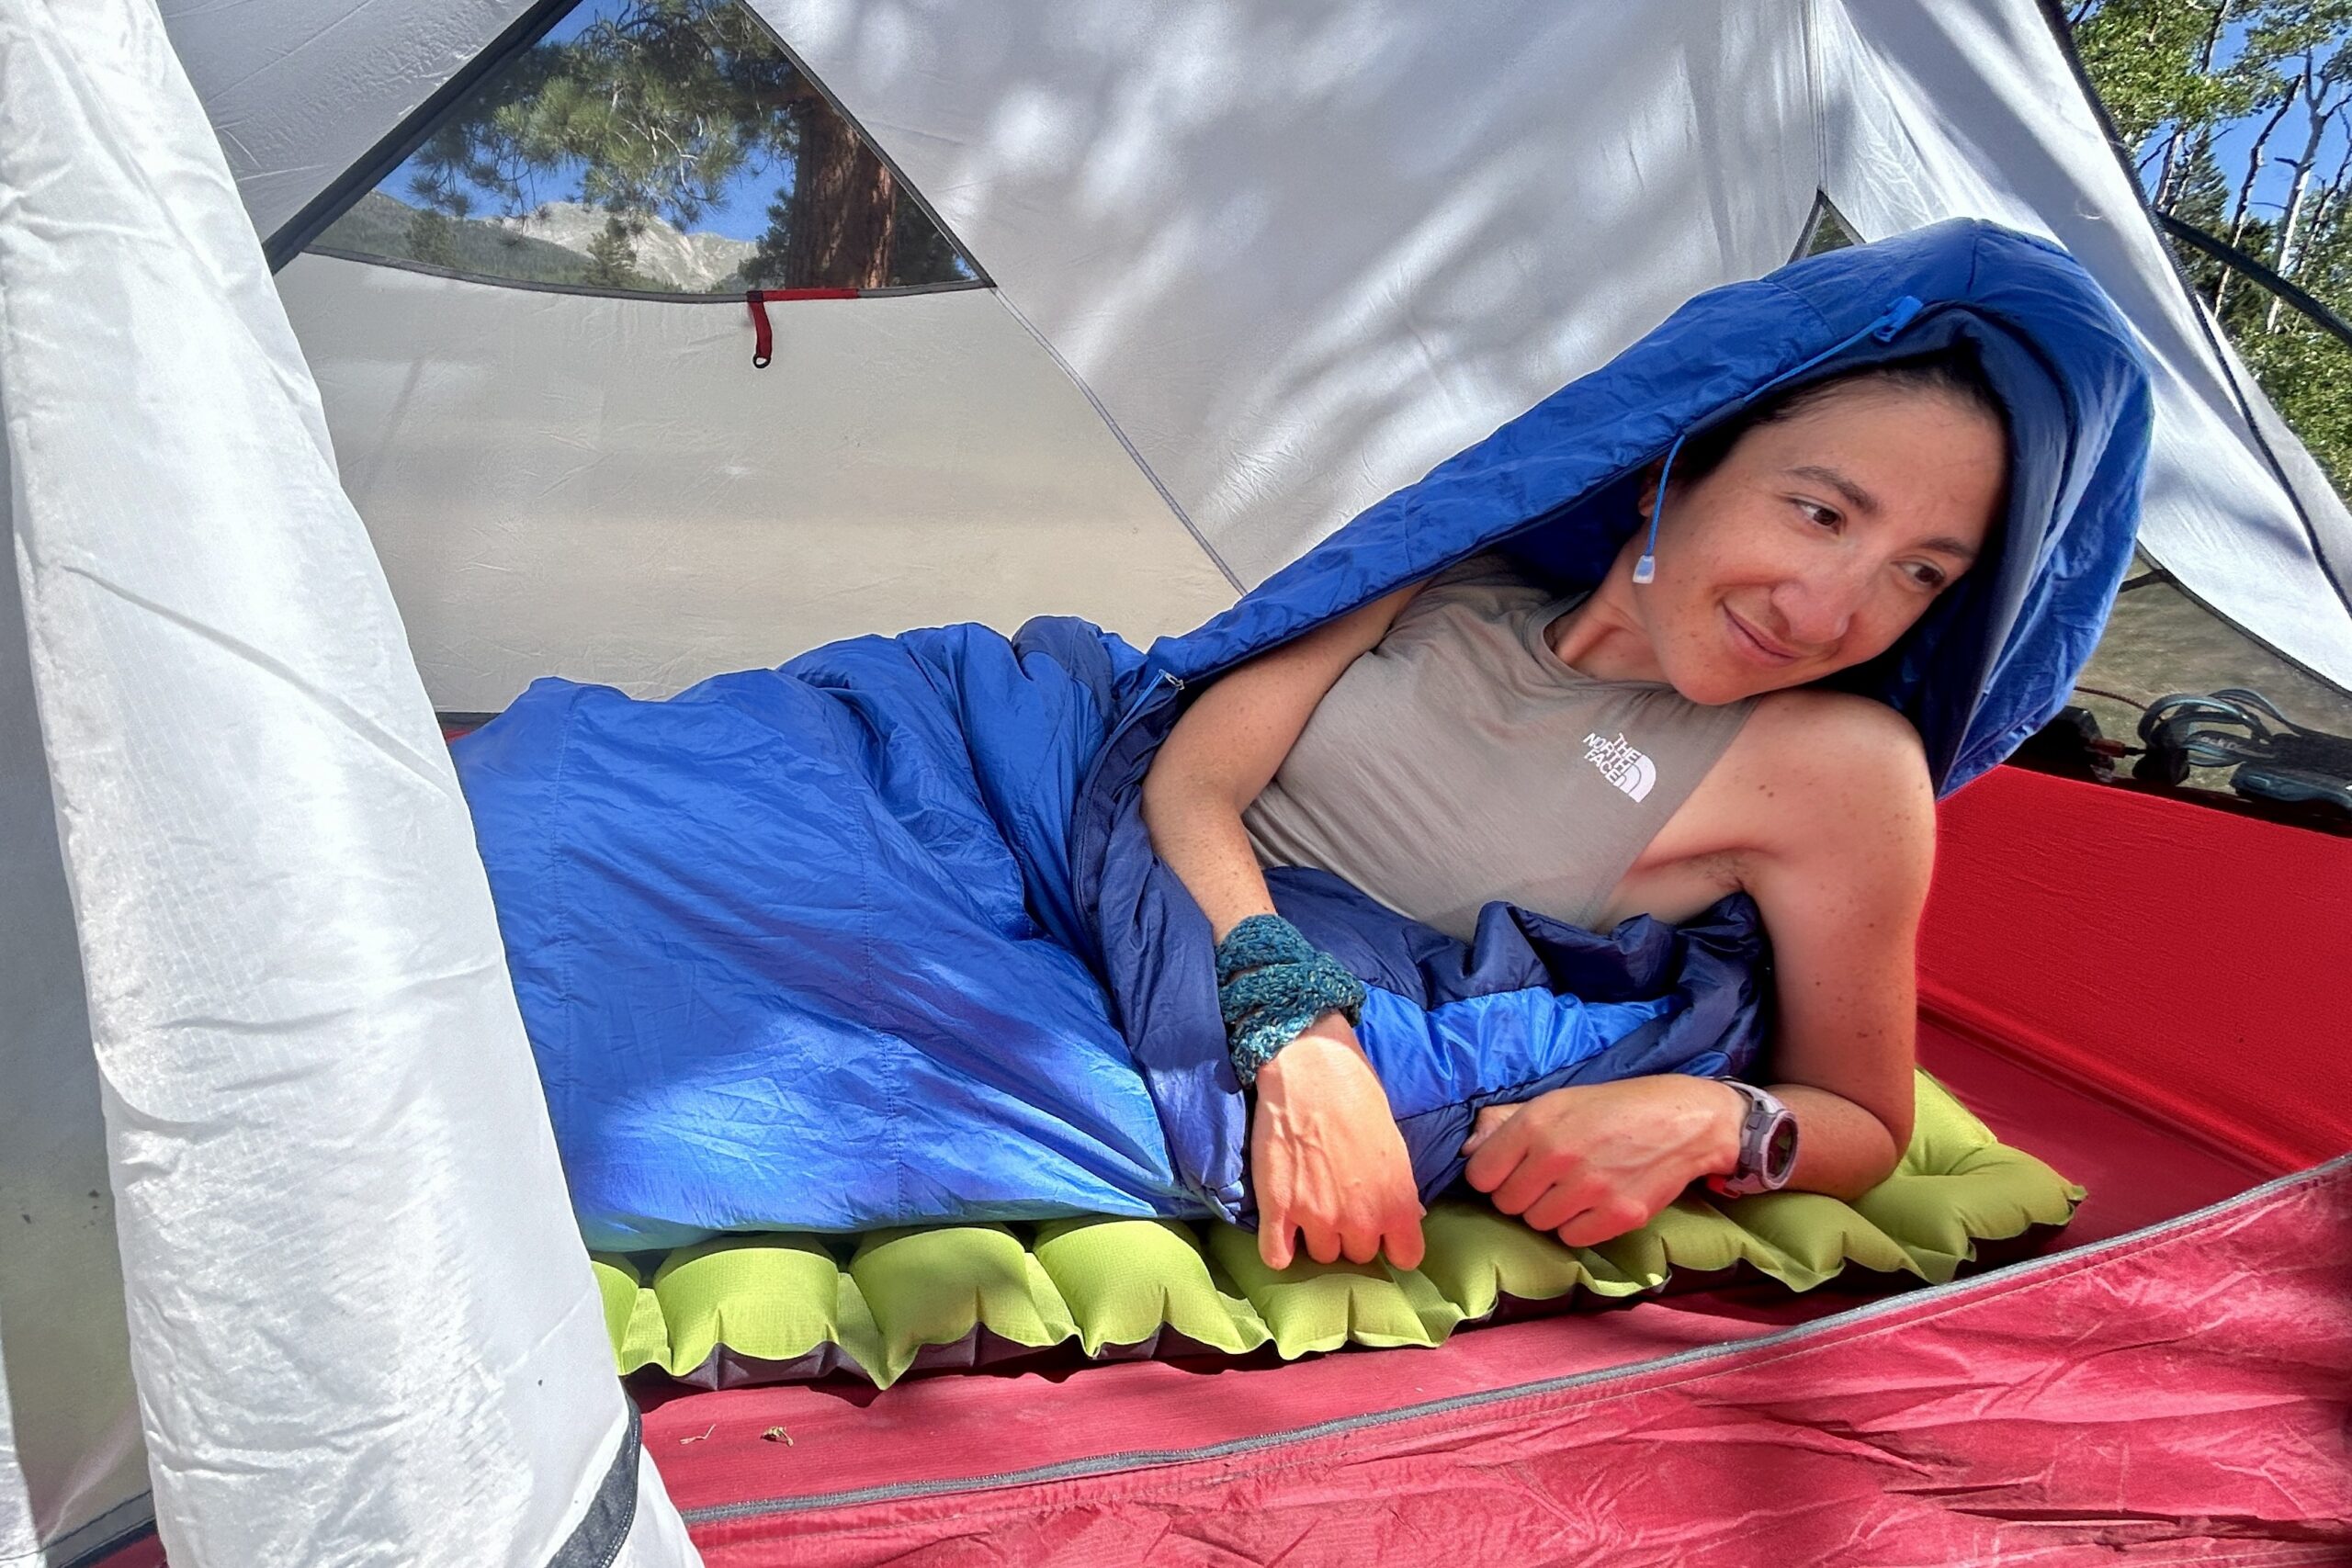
(1834, 823)
(1326, 1158)
(1841, 878)
(1228, 747)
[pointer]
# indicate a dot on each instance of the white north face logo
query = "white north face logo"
(1621, 764)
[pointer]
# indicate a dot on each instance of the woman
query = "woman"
(1802, 542)
(881, 937)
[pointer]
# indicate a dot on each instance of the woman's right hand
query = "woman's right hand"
(1326, 1157)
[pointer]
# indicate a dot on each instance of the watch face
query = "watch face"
(1781, 1150)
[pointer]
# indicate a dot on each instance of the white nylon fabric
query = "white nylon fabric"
(1971, 109)
(605, 489)
(299, 90)
(1299, 255)
(362, 1328)
(1303, 254)
(74, 1455)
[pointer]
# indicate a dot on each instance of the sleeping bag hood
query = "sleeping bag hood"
(1996, 657)
(1990, 662)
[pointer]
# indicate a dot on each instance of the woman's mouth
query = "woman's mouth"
(1756, 646)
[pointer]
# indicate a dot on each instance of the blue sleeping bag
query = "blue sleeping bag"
(877, 938)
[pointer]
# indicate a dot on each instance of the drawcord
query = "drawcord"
(1899, 315)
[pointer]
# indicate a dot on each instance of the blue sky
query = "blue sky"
(2234, 143)
(743, 214)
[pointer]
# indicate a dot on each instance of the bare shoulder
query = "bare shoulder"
(1832, 770)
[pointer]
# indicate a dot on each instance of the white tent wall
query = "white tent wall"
(1950, 110)
(65, 1383)
(361, 1322)
(1300, 253)
(605, 488)
(299, 90)
(1303, 254)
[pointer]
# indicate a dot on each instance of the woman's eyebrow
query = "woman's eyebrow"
(1856, 496)
(1867, 505)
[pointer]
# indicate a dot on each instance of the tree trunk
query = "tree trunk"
(2246, 194)
(845, 206)
(2319, 114)
(2168, 176)
(2330, 193)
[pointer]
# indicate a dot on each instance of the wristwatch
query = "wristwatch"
(1768, 1145)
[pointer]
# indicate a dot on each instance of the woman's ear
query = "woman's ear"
(1648, 501)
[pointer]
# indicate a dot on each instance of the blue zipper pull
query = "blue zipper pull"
(1901, 315)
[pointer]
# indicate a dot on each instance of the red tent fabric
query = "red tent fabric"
(2183, 1389)
(2190, 963)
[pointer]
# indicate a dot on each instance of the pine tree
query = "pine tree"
(612, 258)
(665, 108)
(432, 239)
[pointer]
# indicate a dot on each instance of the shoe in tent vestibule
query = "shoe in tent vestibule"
(286, 1263)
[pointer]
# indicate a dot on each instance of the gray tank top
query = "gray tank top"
(1460, 762)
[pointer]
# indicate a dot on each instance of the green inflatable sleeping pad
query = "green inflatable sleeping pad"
(769, 1308)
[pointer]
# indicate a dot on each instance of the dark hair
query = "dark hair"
(1954, 372)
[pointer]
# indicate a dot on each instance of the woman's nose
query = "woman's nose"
(1817, 607)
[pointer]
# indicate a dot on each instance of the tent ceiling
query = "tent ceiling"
(1299, 256)
(1303, 254)
(300, 89)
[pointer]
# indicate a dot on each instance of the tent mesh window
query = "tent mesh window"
(651, 146)
(1826, 228)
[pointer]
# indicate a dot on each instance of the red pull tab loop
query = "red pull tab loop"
(764, 346)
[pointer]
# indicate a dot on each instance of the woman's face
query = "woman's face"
(1819, 539)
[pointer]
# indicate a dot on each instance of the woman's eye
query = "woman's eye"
(1927, 576)
(1816, 512)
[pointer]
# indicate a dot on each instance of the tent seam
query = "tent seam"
(1126, 445)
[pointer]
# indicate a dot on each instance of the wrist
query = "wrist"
(1725, 1111)
(1322, 1046)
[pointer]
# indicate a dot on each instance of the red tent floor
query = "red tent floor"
(1838, 1442)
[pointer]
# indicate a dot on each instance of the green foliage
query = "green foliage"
(379, 225)
(612, 258)
(2173, 74)
(431, 239)
(2150, 60)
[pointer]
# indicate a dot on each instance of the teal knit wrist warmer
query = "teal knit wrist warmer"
(1273, 983)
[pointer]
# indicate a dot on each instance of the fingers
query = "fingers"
(1403, 1241)
(1282, 1236)
(1529, 1181)
(1488, 1120)
(1496, 1150)
(1605, 1221)
(1274, 1238)
(1397, 1233)
(1557, 1206)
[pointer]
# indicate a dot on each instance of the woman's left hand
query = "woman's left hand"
(1595, 1161)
